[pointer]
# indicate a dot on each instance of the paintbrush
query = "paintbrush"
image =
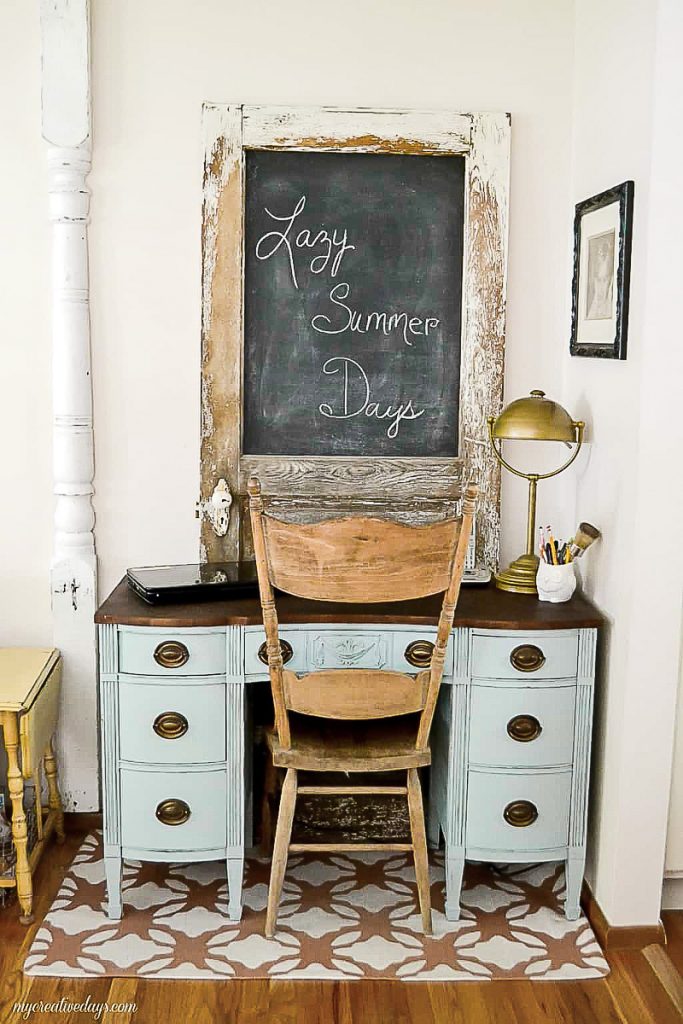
(585, 535)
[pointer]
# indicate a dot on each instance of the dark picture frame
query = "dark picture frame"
(603, 229)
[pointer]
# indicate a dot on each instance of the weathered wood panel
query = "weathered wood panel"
(353, 477)
(221, 317)
(360, 130)
(483, 336)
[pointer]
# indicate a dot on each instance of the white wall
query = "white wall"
(153, 65)
(25, 352)
(627, 479)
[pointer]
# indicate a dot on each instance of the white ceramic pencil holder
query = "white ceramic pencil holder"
(555, 583)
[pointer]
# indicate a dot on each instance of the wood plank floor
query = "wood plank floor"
(643, 988)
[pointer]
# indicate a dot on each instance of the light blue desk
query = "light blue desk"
(510, 742)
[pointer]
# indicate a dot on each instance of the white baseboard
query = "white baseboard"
(672, 892)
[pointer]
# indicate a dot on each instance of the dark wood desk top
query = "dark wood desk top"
(483, 607)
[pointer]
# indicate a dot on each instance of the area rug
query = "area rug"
(341, 916)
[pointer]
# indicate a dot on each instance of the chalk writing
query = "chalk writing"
(361, 323)
(351, 408)
(303, 240)
(355, 392)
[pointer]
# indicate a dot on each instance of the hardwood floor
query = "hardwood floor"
(642, 988)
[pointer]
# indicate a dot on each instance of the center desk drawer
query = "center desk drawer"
(522, 726)
(174, 811)
(168, 652)
(525, 656)
(172, 723)
(307, 650)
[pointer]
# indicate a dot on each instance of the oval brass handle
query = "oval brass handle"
(173, 812)
(170, 725)
(419, 653)
(524, 728)
(520, 813)
(171, 654)
(286, 650)
(527, 658)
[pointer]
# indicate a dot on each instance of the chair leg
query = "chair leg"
(270, 786)
(417, 830)
(283, 832)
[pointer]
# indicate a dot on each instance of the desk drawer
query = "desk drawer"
(200, 795)
(545, 796)
(183, 652)
(312, 649)
(172, 723)
(293, 649)
(522, 726)
(526, 656)
(412, 651)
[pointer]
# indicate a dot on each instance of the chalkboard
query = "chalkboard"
(353, 304)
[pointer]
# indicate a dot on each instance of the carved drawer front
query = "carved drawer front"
(175, 811)
(518, 727)
(517, 812)
(528, 657)
(167, 652)
(172, 723)
(293, 645)
(347, 649)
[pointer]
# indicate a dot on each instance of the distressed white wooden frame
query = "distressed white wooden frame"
(411, 488)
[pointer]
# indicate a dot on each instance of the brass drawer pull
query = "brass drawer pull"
(520, 813)
(171, 654)
(524, 728)
(173, 812)
(286, 650)
(527, 658)
(419, 653)
(170, 725)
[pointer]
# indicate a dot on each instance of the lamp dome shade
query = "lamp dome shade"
(535, 418)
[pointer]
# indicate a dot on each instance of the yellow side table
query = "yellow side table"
(29, 704)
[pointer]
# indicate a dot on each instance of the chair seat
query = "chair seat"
(320, 744)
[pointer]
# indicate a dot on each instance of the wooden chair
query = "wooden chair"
(355, 720)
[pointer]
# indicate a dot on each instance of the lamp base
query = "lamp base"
(520, 575)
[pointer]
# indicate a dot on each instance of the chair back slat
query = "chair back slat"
(359, 559)
(361, 694)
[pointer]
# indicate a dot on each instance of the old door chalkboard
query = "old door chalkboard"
(353, 313)
(352, 304)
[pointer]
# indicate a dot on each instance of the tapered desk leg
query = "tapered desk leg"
(235, 866)
(574, 865)
(55, 799)
(15, 782)
(113, 866)
(455, 866)
(235, 811)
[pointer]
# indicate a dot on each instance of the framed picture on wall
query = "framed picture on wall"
(603, 226)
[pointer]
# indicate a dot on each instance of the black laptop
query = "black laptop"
(170, 584)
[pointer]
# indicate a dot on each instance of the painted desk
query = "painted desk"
(510, 742)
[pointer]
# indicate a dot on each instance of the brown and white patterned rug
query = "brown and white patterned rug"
(341, 916)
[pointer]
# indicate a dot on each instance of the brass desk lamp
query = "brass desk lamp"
(535, 418)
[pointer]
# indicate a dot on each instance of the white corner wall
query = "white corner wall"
(627, 115)
(25, 348)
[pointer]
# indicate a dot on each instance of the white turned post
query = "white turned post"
(66, 129)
